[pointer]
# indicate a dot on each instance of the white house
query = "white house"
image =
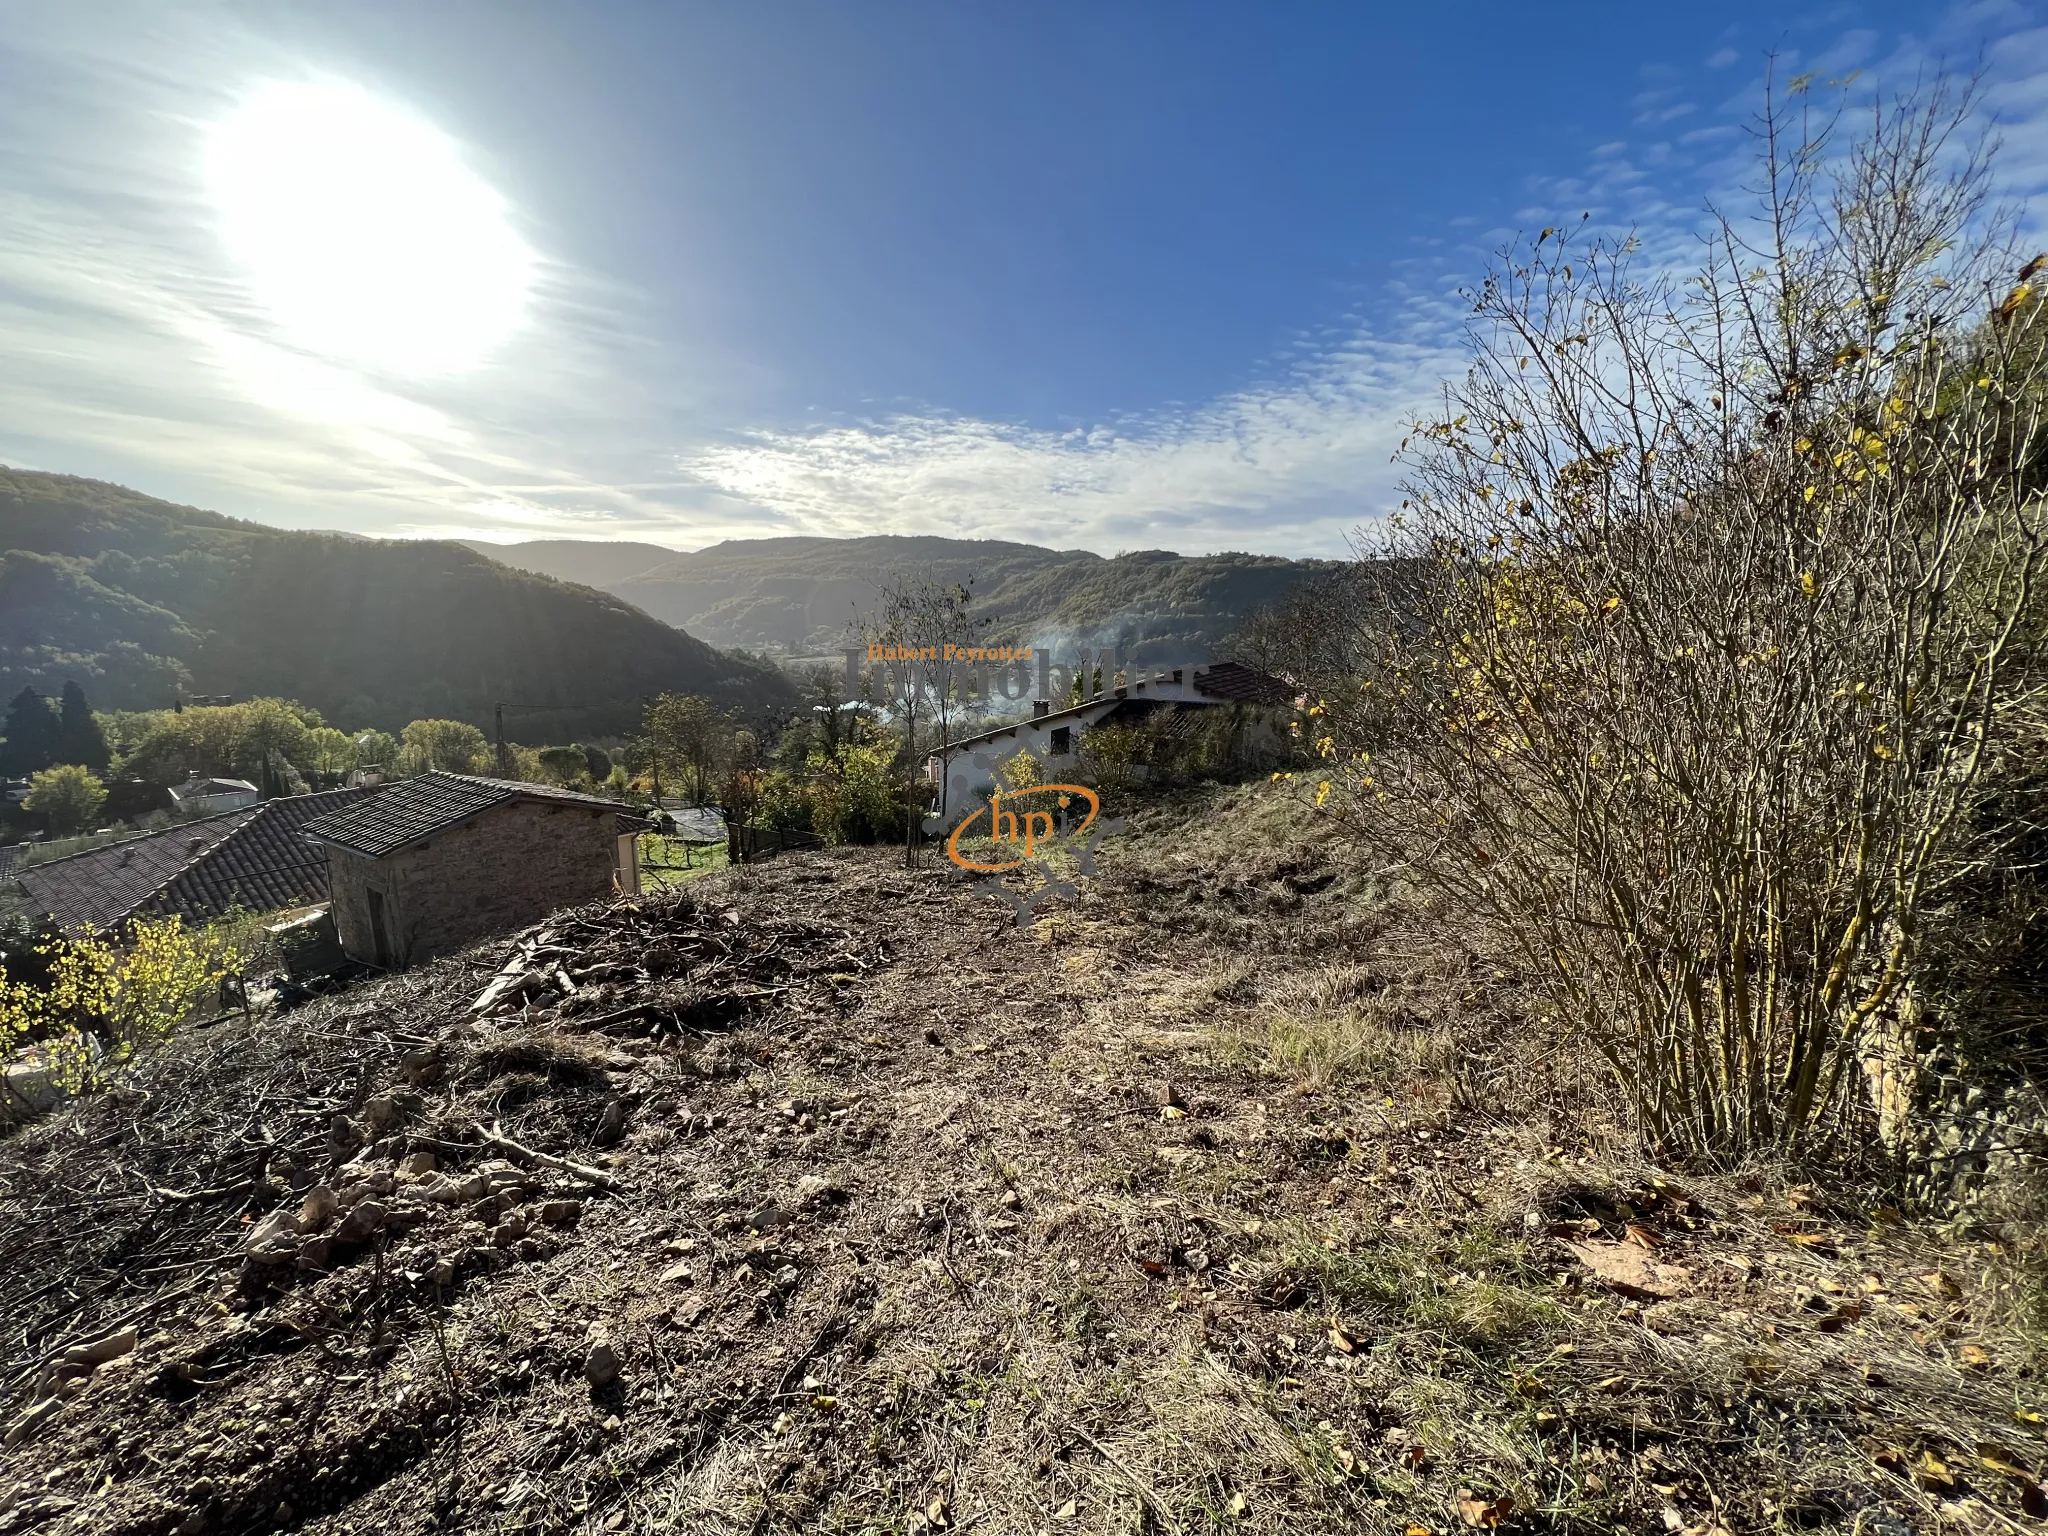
(209, 797)
(967, 767)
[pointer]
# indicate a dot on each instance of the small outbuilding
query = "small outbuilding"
(428, 865)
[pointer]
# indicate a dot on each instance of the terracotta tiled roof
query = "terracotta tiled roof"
(103, 885)
(261, 865)
(416, 809)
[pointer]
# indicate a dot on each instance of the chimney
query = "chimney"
(1040, 708)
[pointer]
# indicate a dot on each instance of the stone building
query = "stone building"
(429, 865)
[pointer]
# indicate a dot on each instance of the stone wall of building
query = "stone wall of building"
(508, 867)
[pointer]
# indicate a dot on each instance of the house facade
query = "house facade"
(1165, 701)
(435, 863)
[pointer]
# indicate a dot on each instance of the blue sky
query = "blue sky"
(1109, 276)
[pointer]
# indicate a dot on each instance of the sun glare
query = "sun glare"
(363, 233)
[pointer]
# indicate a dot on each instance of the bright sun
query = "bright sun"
(363, 233)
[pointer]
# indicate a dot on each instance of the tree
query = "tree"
(32, 733)
(452, 746)
(597, 763)
(685, 735)
(1716, 642)
(742, 779)
(375, 749)
(253, 740)
(825, 693)
(68, 795)
(330, 752)
(918, 621)
(565, 766)
(79, 738)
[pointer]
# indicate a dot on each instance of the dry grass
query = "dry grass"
(1053, 1297)
(1328, 1025)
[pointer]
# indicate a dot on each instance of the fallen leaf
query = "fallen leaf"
(1642, 1236)
(1932, 1472)
(1974, 1357)
(1412, 1529)
(1614, 1385)
(1892, 1460)
(1942, 1285)
(1999, 1459)
(1415, 1458)
(1338, 1340)
(1481, 1514)
(936, 1513)
(1066, 1511)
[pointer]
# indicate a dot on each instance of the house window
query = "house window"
(1062, 740)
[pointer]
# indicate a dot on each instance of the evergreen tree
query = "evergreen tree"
(79, 737)
(31, 743)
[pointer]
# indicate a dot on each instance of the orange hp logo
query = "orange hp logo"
(1030, 829)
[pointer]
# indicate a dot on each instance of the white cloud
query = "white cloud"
(1293, 466)
(1288, 468)
(129, 344)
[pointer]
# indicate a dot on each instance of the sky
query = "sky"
(1107, 276)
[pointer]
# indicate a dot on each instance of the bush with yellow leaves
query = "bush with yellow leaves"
(99, 1002)
(1706, 636)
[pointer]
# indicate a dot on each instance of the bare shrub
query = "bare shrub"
(1721, 583)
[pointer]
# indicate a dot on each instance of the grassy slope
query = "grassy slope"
(135, 596)
(1232, 1199)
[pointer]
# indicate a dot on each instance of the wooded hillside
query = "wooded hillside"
(796, 595)
(136, 598)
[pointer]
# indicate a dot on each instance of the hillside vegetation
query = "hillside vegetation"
(136, 598)
(797, 596)
(589, 562)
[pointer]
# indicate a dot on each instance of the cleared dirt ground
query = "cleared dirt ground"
(1230, 1197)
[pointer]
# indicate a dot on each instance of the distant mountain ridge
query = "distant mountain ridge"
(796, 596)
(589, 562)
(136, 598)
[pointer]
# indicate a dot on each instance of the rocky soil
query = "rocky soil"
(818, 1196)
